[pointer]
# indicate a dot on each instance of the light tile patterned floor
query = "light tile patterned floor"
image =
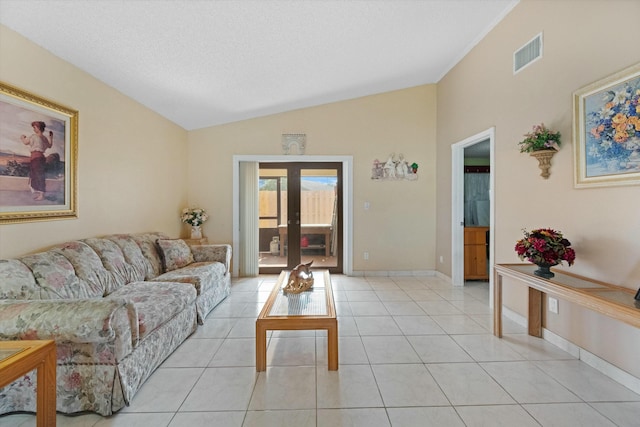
(413, 352)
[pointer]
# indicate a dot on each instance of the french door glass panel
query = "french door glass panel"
(318, 213)
(299, 216)
(272, 218)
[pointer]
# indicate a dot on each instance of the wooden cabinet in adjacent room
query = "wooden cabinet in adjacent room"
(476, 246)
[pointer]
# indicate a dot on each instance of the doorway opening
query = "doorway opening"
(472, 233)
(300, 215)
(245, 239)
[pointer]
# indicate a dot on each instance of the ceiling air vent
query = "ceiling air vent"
(527, 54)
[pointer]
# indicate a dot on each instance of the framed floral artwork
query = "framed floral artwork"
(38, 158)
(607, 131)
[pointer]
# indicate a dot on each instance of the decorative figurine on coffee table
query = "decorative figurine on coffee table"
(300, 279)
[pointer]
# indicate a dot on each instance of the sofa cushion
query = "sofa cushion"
(56, 277)
(149, 248)
(88, 266)
(202, 275)
(114, 261)
(175, 253)
(133, 256)
(156, 302)
(17, 281)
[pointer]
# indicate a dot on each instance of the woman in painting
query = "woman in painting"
(38, 144)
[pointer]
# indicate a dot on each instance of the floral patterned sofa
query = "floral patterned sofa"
(117, 307)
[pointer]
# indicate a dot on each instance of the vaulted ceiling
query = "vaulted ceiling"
(201, 63)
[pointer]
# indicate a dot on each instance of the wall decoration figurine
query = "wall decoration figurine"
(394, 170)
(376, 171)
(390, 167)
(402, 168)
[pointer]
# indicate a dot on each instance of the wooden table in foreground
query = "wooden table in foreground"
(308, 310)
(614, 301)
(20, 357)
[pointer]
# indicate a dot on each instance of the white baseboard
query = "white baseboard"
(515, 317)
(443, 276)
(562, 343)
(613, 372)
(393, 273)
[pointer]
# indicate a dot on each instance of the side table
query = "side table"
(201, 241)
(20, 357)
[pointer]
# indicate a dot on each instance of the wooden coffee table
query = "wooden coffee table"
(20, 357)
(308, 310)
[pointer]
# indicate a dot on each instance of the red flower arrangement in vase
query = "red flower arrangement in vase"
(545, 247)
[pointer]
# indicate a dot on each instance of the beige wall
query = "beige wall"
(132, 163)
(481, 92)
(399, 229)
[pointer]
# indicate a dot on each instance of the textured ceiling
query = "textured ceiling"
(203, 63)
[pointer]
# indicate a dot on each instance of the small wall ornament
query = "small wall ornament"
(394, 170)
(542, 144)
(294, 140)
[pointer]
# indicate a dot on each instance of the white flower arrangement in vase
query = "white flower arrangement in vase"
(195, 217)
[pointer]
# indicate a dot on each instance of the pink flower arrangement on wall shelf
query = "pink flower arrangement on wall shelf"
(540, 138)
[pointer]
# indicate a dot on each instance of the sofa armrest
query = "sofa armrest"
(75, 321)
(209, 253)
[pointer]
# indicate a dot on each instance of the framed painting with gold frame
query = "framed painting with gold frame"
(38, 158)
(606, 135)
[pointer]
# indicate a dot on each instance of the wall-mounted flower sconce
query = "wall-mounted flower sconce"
(394, 170)
(542, 144)
(544, 161)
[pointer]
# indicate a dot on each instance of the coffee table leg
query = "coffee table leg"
(261, 347)
(332, 346)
